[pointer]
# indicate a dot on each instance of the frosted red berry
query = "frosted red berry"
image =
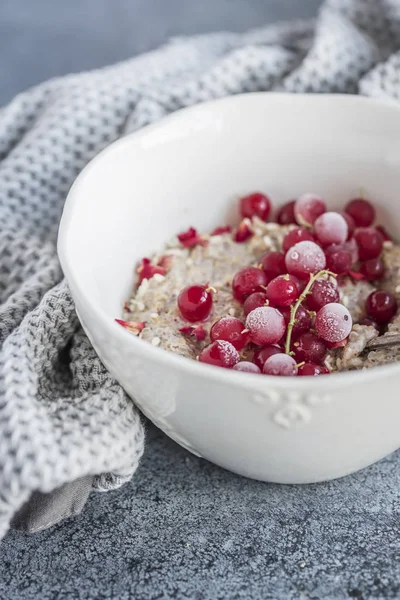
(273, 264)
(312, 370)
(285, 215)
(280, 365)
(255, 205)
(361, 211)
(309, 348)
(283, 291)
(304, 259)
(322, 292)
(370, 242)
(220, 354)
(262, 354)
(381, 306)
(308, 208)
(231, 330)
(331, 228)
(333, 322)
(248, 280)
(195, 303)
(299, 234)
(246, 367)
(255, 300)
(266, 325)
(373, 269)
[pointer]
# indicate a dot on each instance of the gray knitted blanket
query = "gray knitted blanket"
(62, 418)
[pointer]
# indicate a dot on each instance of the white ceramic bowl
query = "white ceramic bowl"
(188, 170)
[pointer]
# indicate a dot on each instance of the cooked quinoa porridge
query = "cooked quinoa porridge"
(305, 295)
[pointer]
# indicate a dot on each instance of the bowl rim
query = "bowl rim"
(161, 356)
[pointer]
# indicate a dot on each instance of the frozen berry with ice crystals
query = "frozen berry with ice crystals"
(305, 258)
(308, 208)
(323, 292)
(273, 264)
(255, 300)
(231, 330)
(255, 205)
(195, 303)
(262, 354)
(220, 354)
(285, 214)
(309, 348)
(331, 228)
(381, 306)
(299, 234)
(266, 325)
(246, 367)
(283, 290)
(361, 211)
(248, 280)
(333, 322)
(370, 242)
(280, 364)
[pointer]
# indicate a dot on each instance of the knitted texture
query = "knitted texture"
(61, 415)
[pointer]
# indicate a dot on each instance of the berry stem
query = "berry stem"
(301, 298)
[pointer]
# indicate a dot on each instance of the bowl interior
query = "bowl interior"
(190, 168)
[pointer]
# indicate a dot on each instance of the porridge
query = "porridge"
(313, 293)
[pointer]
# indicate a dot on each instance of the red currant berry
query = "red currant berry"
(362, 212)
(305, 258)
(255, 205)
(262, 354)
(220, 354)
(385, 236)
(381, 306)
(369, 323)
(312, 370)
(309, 348)
(195, 303)
(331, 228)
(273, 264)
(307, 208)
(285, 214)
(373, 269)
(283, 291)
(247, 281)
(338, 260)
(255, 301)
(246, 367)
(370, 242)
(350, 224)
(266, 325)
(280, 365)
(243, 233)
(333, 322)
(299, 234)
(323, 292)
(302, 320)
(231, 330)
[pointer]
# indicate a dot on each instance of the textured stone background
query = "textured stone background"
(184, 528)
